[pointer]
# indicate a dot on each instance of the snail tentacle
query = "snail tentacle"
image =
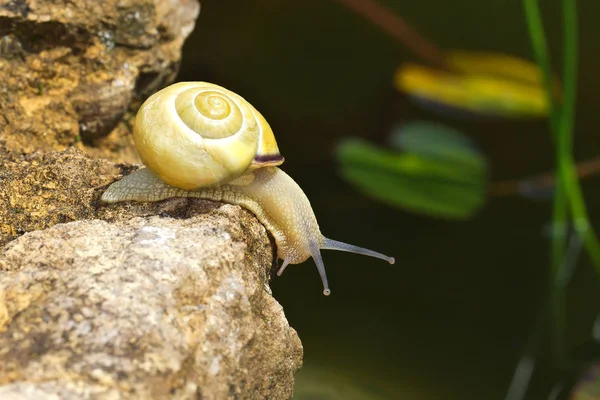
(330, 244)
(283, 267)
(316, 255)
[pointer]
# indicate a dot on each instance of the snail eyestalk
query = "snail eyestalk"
(316, 255)
(330, 244)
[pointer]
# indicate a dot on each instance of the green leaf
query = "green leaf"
(437, 141)
(433, 183)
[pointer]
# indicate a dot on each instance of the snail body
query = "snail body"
(193, 143)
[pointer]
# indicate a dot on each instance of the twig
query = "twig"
(397, 28)
(543, 181)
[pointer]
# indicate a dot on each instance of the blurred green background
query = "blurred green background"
(450, 319)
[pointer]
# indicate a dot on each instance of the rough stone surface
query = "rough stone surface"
(74, 70)
(193, 253)
(40, 190)
(146, 308)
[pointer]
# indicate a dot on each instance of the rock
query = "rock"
(76, 70)
(40, 190)
(96, 309)
(146, 308)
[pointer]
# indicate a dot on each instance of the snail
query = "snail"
(199, 139)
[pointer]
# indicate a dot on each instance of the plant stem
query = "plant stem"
(559, 213)
(568, 194)
(565, 137)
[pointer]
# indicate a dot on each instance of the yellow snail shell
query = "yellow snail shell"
(216, 132)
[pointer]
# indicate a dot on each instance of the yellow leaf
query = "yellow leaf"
(484, 84)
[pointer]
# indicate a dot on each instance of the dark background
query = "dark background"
(450, 319)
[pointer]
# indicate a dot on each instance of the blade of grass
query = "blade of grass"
(568, 195)
(559, 212)
(565, 137)
(562, 122)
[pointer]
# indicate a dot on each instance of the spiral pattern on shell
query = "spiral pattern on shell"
(197, 134)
